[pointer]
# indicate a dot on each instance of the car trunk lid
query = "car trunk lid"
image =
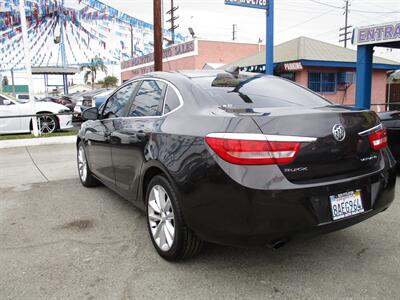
(339, 150)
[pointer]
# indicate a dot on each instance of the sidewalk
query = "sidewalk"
(35, 164)
(55, 140)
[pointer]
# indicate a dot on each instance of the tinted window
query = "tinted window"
(260, 91)
(1, 100)
(148, 100)
(171, 100)
(116, 105)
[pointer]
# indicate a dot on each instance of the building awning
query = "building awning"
(55, 70)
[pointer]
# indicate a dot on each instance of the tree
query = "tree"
(109, 81)
(96, 64)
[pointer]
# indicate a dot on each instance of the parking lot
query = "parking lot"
(59, 240)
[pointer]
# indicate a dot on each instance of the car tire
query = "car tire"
(185, 243)
(85, 175)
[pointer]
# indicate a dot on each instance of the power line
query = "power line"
(356, 10)
(306, 21)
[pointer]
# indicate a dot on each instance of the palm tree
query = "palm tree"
(96, 64)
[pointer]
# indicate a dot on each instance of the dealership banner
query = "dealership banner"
(376, 34)
(260, 4)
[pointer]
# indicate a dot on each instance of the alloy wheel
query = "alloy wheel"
(161, 218)
(82, 164)
(47, 124)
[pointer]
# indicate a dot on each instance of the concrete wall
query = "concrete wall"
(348, 97)
(223, 52)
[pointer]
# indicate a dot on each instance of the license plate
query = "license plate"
(346, 205)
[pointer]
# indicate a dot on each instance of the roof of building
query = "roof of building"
(307, 49)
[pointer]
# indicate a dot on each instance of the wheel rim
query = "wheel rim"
(161, 218)
(47, 124)
(82, 164)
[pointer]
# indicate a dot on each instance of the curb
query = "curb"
(56, 140)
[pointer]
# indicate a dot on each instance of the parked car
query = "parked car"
(101, 98)
(48, 123)
(63, 100)
(391, 120)
(86, 100)
(236, 160)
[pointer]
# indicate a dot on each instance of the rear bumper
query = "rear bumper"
(225, 212)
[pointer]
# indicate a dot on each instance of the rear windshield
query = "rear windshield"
(260, 91)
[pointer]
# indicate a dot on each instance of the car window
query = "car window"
(259, 91)
(116, 104)
(148, 100)
(1, 100)
(171, 101)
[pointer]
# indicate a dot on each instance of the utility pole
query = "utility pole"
(234, 30)
(345, 35)
(158, 44)
(172, 20)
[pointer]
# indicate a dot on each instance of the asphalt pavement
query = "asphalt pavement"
(59, 240)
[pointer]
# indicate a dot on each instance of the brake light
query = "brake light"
(378, 139)
(253, 149)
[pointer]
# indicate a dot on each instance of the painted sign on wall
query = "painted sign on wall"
(174, 51)
(375, 34)
(260, 4)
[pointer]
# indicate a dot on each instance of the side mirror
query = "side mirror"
(7, 102)
(90, 114)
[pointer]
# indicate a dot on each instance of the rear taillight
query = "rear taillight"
(255, 149)
(378, 139)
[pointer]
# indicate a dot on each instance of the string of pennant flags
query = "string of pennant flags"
(89, 29)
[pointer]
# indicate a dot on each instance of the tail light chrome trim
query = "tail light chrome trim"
(371, 130)
(262, 137)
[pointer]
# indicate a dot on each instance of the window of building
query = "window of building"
(322, 82)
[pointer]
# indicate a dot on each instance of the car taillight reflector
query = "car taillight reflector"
(254, 152)
(378, 139)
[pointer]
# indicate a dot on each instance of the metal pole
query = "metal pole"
(131, 41)
(63, 54)
(28, 65)
(13, 83)
(269, 64)
(345, 23)
(157, 35)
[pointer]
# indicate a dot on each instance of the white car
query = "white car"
(48, 124)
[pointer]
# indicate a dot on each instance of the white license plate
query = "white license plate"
(346, 205)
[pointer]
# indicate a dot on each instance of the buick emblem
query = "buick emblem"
(339, 133)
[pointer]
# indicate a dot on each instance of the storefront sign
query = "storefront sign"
(374, 34)
(187, 48)
(293, 66)
(260, 4)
